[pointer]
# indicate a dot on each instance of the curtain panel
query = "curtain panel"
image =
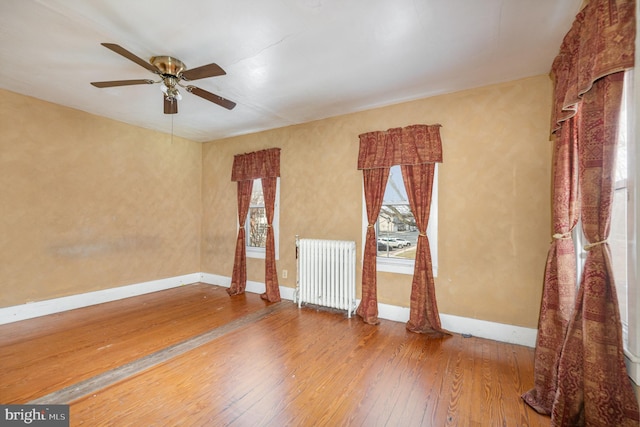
(416, 148)
(375, 181)
(264, 165)
(423, 315)
(600, 42)
(239, 275)
(560, 271)
(411, 145)
(259, 164)
(272, 292)
(583, 381)
(593, 386)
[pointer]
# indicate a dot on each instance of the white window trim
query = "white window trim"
(632, 344)
(405, 266)
(261, 253)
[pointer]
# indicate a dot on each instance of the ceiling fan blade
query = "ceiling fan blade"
(130, 56)
(229, 105)
(122, 83)
(170, 105)
(210, 70)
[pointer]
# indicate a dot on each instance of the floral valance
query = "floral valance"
(258, 164)
(411, 145)
(600, 42)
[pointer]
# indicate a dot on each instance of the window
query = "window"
(396, 230)
(623, 238)
(632, 303)
(257, 218)
(256, 224)
(618, 233)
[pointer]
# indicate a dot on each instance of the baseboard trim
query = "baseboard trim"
(633, 366)
(479, 328)
(253, 287)
(57, 305)
(462, 325)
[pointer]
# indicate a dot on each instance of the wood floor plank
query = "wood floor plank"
(130, 369)
(42, 355)
(297, 367)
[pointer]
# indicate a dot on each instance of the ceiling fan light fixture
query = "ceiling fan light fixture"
(173, 95)
(168, 87)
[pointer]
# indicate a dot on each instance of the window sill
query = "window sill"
(259, 253)
(399, 266)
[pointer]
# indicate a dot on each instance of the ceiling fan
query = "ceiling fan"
(172, 72)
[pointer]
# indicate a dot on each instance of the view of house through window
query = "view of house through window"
(396, 229)
(257, 218)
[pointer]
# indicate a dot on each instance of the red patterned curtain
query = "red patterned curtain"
(272, 293)
(259, 164)
(560, 272)
(423, 316)
(584, 380)
(239, 276)
(416, 148)
(593, 385)
(375, 181)
(264, 165)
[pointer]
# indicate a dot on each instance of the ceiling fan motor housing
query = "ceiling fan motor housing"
(168, 65)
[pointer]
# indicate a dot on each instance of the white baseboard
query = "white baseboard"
(511, 334)
(57, 305)
(253, 287)
(463, 325)
(633, 366)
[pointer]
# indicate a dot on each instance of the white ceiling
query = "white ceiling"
(287, 61)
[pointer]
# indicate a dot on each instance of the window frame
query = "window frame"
(261, 253)
(400, 265)
(631, 343)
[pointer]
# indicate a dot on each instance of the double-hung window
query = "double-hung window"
(256, 225)
(396, 231)
(623, 238)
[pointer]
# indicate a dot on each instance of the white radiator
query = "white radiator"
(326, 273)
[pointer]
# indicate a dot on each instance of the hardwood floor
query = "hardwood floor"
(193, 356)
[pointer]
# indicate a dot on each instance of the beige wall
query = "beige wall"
(88, 203)
(494, 191)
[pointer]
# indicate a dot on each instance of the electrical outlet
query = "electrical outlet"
(285, 273)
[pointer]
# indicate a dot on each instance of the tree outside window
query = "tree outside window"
(257, 218)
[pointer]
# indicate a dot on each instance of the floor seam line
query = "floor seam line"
(90, 385)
